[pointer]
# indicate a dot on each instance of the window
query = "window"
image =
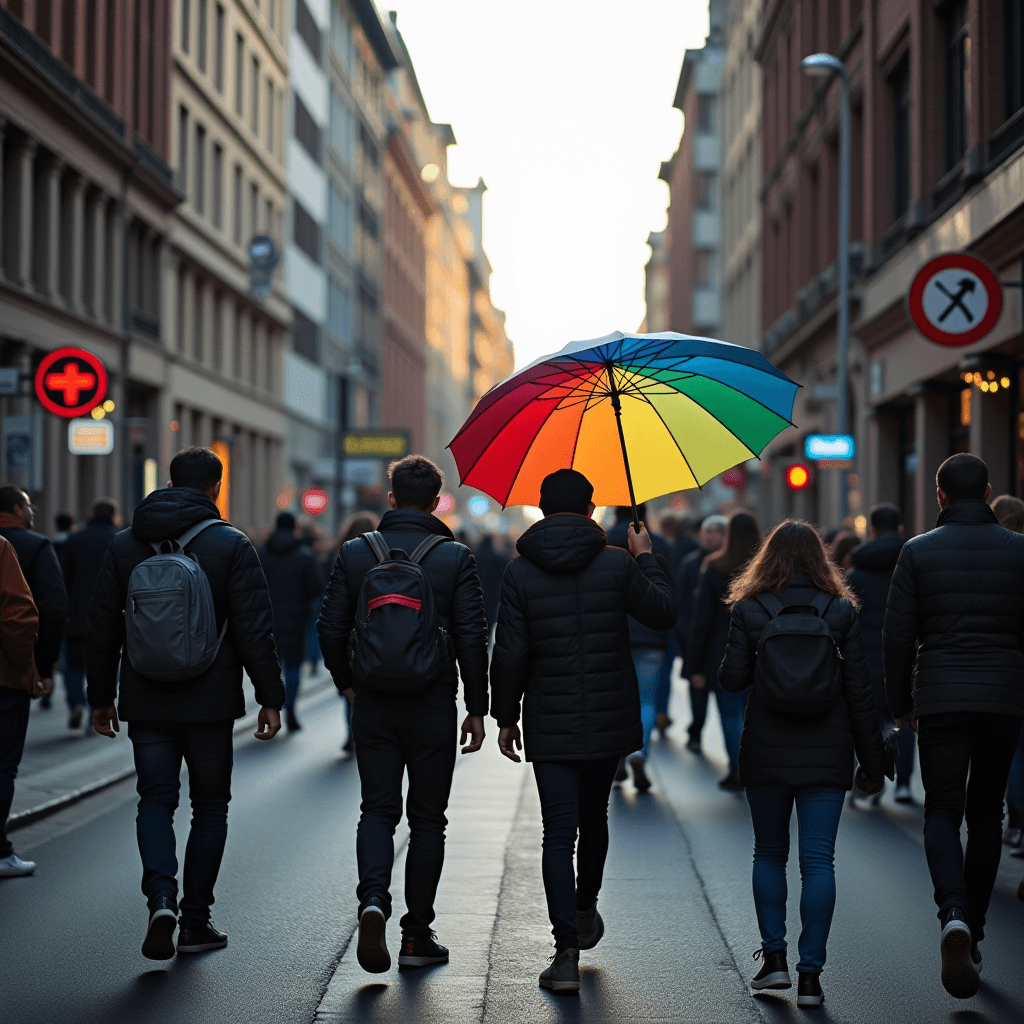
(341, 36)
(217, 189)
(306, 231)
(201, 41)
(307, 29)
(198, 309)
(340, 220)
(1013, 56)
(199, 185)
(254, 209)
(255, 96)
(270, 114)
(218, 330)
(269, 222)
(368, 219)
(899, 83)
(702, 268)
(218, 43)
(186, 27)
(306, 130)
(239, 74)
(707, 111)
(341, 127)
(369, 147)
(183, 149)
(236, 204)
(705, 191)
(339, 312)
(305, 333)
(957, 56)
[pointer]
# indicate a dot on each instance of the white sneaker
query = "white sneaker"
(903, 794)
(14, 867)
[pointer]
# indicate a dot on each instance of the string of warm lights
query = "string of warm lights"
(987, 382)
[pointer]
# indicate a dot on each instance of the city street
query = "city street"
(680, 918)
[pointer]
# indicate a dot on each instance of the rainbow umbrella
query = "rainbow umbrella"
(685, 408)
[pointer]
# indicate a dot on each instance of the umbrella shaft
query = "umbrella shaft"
(617, 406)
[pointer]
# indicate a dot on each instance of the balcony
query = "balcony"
(706, 152)
(706, 307)
(706, 229)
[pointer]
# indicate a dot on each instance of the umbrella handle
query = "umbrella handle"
(617, 406)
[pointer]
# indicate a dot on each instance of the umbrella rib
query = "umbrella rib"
(682, 454)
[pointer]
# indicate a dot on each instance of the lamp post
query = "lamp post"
(824, 65)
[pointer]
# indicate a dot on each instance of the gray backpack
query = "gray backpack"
(170, 625)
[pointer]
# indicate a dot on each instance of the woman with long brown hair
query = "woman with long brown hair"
(710, 629)
(801, 751)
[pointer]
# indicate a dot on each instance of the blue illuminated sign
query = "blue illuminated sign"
(826, 447)
(479, 505)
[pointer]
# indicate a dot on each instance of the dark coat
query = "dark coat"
(954, 624)
(709, 627)
(459, 601)
(684, 582)
(42, 572)
(81, 557)
(641, 636)
(563, 640)
(869, 578)
(239, 595)
(490, 564)
(782, 750)
(293, 578)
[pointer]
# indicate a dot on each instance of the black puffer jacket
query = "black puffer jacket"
(954, 625)
(709, 627)
(294, 581)
(780, 750)
(458, 599)
(873, 566)
(563, 640)
(81, 557)
(641, 636)
(684, 581)
(239, 595)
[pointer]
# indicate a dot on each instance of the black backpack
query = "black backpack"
(798, 669)
(397, 644)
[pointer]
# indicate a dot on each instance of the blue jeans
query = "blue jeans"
(664, 694)
(648, 662)
(818, 812)
(292, 679)
(731, 709)
(207, 749)
(14, 705)
(73, 663)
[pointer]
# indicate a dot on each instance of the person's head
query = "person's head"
(356, 525)
(792, 547)
(885, 518)
(839, 550)
(625, 512)
(415, 484)
(106, 508)
(15, 501)
(285, 521)
(565, 490)
(198, 468)
(670, 527)
(712, 532)
(1010, 512)
(63, 521)
(962, 477)
(742, 539)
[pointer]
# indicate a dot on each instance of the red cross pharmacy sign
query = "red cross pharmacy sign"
(70, 382)
(955, 299)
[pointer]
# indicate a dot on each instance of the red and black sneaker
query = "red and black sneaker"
(421, 951)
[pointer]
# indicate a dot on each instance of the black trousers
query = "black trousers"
(965, 762)
(14, 705)
(573, 799)
(392, 735)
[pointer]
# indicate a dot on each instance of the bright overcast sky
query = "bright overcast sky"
(564, 108)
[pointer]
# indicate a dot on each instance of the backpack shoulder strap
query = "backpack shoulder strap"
(770, 603)
(425, 547)
(821, 602)
(378, 545)
(186, 538)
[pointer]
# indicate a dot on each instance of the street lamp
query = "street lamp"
(824, 65)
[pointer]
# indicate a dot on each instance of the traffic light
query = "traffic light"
(798, 476)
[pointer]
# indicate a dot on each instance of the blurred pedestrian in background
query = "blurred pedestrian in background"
(81, 557)
(490, 564)
(841, 548)
(954, 668)
(872, 566)
(793, 756)
(19, 684)
(294, 581)
(709, 631)
(65, 523)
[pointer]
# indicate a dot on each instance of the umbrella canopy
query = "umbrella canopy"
(684, 408)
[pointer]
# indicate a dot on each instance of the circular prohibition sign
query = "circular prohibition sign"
(955, 299)
(70, 382)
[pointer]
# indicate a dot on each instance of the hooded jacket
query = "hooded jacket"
(293, 578)
(562, 647)
(239, 595)
(81, 557)
(19, 623)
(954, 622)
(459, 601)
(873, 565)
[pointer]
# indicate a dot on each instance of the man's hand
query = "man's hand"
(698, 682)
(268, 724)
(41, 687)
(908, 721)
(472, 726)
(510, 739)
(104, 721)
(639, 543)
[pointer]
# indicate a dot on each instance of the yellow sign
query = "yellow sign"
(221, 450)
(375, 444)
(90, 437)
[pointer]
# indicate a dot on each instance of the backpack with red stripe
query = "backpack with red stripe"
(397, 644)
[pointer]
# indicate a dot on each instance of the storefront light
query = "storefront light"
(1005, 381)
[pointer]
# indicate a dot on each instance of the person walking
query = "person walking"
(954, 668)
(188, 717)
(42, 572)
(710, 631)
(294, 580)
(65, 523)
(81, 559)
(19, 684)
(490, 564)
(563, 664)
(406, 722)
(801, 729)
(872, 566)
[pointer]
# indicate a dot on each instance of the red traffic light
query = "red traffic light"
(314, 501)
(798, 476)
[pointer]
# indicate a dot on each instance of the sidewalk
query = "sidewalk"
(62, 765)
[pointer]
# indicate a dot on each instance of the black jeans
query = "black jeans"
(207, 750)
(14, 705)
(392, 735)
(573, 798)
(965, 761)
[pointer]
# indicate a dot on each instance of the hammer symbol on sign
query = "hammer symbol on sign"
(967, 284)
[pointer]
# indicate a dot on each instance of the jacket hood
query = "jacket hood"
(166, 514)
(404, 520)
(967, 513)
(878, 555)
(563, 543)
(283, 542)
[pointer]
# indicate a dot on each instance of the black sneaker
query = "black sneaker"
(590, 927)
(621, 773)
(693, 745)
(199, 940)
(163, 919)
(731, 783)
(774, 971)
(976, 956)
(959, 977)
(564, 973)
(640, 778)
(349, 745)
(808, 989)
(372, 950)
(422, 951)
(290, 720)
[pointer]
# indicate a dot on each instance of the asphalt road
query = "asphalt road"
(677, 903)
